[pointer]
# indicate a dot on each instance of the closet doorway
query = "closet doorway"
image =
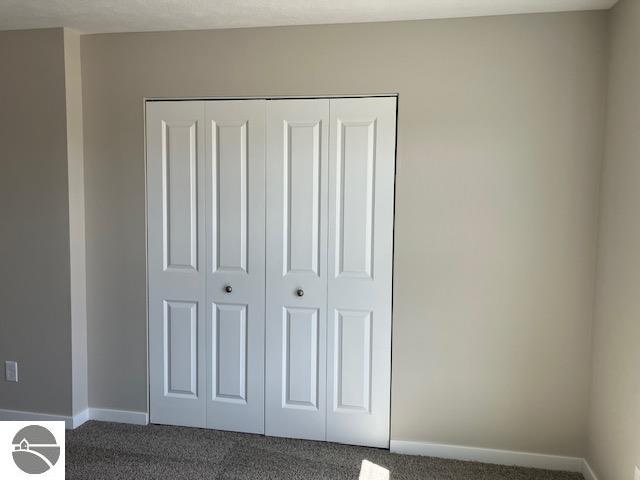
(270, 251)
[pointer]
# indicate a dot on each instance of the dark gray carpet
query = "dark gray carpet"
(99, 450)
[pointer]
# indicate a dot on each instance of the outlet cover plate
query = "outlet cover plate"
(637, 474)
(11, 371)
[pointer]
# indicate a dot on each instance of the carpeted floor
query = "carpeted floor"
(99, 450)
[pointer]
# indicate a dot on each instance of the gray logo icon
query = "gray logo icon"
(35, 449)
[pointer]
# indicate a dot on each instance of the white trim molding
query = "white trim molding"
(487, 455)
(587, 471)
(118, 416)
(439, 450)
(102, 414)
(80, 418)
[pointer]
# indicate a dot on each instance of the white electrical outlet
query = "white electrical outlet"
(637, 474)
(11, 371)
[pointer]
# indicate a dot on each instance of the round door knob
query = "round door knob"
(228, 288)
(300, 292)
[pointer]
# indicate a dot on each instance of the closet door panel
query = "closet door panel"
(361, 196)
(354, 197)
(229, 353)
(181, 350)
(300, 358)
(297, 145)
(301, 206)
(177, 300)
(235, 212)
(229, 196)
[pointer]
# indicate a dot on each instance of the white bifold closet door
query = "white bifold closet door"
(297, 153)
(270, 241)
(176, 261)
(205, 168)
(330, 177)
(361, 195)
(235, 196)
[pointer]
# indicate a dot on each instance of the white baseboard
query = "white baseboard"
(587, 471)
(102, 414)
(119, 416)
(20, 416)
(80, 418)
(486, 455)
(455, 452)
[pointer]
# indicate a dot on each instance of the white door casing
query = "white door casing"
(175, 177)
(235, 213)
(297, 147)
(360, 260)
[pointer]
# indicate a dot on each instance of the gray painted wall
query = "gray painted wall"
(499, 155)
(614, 441)
(42, 243)
(35, 326)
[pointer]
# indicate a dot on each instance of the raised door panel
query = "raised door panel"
(229, 362)
(235, 206)
(175, 196)
(229, 222)
(301, 182)
(300, 358)
(354, 197)
(179, 190)
(297, 147)
(352, 361)
(180, 349)
(361, 195)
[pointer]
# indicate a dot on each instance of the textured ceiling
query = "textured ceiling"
(93, 16)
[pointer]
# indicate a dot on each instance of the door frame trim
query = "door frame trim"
(268, 97)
